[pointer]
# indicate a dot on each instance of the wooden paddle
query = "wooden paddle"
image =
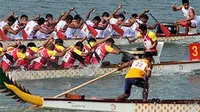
(80, 86)
(24, 35)
(117, 29)
(86, 83)
(60, 35)
(3, 36)
(162, 27)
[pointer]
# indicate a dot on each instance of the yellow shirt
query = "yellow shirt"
(138, 69)
(108, 48)
(34, 49)
(51, 53)
(20, 55)
(90, 45)
(150, 34)
(59, 48)
(1, 49)
(77, 51)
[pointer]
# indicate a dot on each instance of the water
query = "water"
(174, 86)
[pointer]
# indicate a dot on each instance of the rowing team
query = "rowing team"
(67, 26)
(48, 54)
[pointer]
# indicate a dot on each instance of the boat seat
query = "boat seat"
(159, 48)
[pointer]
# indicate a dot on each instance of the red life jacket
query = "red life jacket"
(68, 59)
(87, 58)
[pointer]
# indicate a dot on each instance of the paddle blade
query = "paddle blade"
(117, 29)
(92, 31)
(165, 30)
(3, 36)
(60, 35)
(24, 35)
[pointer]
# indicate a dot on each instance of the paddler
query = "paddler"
(138, 75)
(6, 28)
(94, 23)
(48, 25)
(75, 53)
(13, 54)
(18, 23)
(45, 53)
(190, 20)
(104, 22)
(92, 42)
(103, 49)
(31, 50)
(33, 26)
(149, 39)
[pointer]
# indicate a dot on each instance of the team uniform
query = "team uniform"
(87, 48)
(11, 56)
(134, 28)
(84, 32)
(29, 29)
(41, 61)
(30, 51)
(59, 28)
(148, 41)
(100, 32)
(41, 35)
(186, 13)
(70, 32)
(101, 51)
(2, 24)
(109, 30)
(69, 59)
(15, 26)
(130, 31)
(135, 75)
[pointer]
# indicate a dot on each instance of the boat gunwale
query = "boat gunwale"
(117, 37)
(115, 65)
(157, 101)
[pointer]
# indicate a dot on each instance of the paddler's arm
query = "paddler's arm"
(49, 40)
(154, 44)
(174, 8)
(101, 41)
(67, 13)
(54, 22)
(112, 50)
(144, 12)
(125, 65)
(129, 24)
(115, 12)
(88, 15)
(11, 14)
(73, 25)
(102, 27)
(134, 39)
(10, 30)
(36, 17)
(148, 73)
(62, 53)
(191, 16)
(39, 28)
